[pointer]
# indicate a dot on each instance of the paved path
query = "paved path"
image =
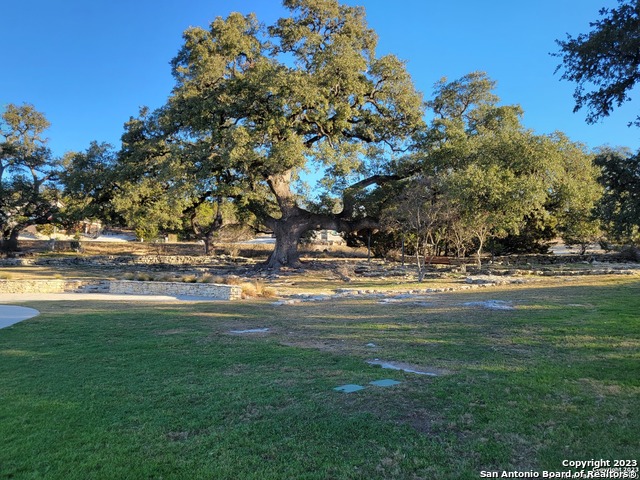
(10, 314)
(102, 297)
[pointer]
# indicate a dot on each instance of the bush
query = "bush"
(208, 278)
(630, 253)
(256, 289)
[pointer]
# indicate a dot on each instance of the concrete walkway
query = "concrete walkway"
(10, 314)
(98, 297)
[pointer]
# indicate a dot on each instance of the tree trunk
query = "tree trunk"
(289, 227)
(418, 264)
(9, 242)
(208, 234)
(295, 221)
(285, 253)
(208, 242)
(481, 240)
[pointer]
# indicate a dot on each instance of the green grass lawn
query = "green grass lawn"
(134, 391)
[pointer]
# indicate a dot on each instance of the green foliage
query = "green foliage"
(266, 102)
(605, 63)
(28, 194)
(619, 207)
(488, 167)
(167, 182)
(89, 180)
(47, 229)
(490, 178)
(149, 195)
(575, 195)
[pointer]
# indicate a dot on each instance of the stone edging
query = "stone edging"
(210, 290)
(470, 282)
(53, 285)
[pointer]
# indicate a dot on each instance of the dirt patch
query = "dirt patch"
(177, 436)
(420, 419)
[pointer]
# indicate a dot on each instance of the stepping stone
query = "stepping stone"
(387, 382)
(349, 388)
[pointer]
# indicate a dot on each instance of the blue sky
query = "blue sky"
(90, 65)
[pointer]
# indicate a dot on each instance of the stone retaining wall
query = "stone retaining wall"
(140, 248)
(122, 260)
(540, 259)
(187, 260)
(109, 260)
(53, 285)
(212, 290)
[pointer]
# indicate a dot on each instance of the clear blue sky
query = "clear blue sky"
(90, 65)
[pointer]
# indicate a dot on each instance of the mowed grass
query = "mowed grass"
(139, 391)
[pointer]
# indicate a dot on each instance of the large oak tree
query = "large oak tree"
(265, 103)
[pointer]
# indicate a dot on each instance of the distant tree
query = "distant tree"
(172, 182)
(89, 183)
(604, 63)
(619, 207)
(220, 220)
(495, 174)
(488, 165)
(28, 195)
(152, 194)
(419, 215)
(574, 195)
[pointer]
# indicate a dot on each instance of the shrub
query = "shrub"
(142, 277)
(233, 280)
(208, 278)
(167, 277)
(256, 289)
(630, 253)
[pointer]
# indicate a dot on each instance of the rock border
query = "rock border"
(214, 291)
(211, 290)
